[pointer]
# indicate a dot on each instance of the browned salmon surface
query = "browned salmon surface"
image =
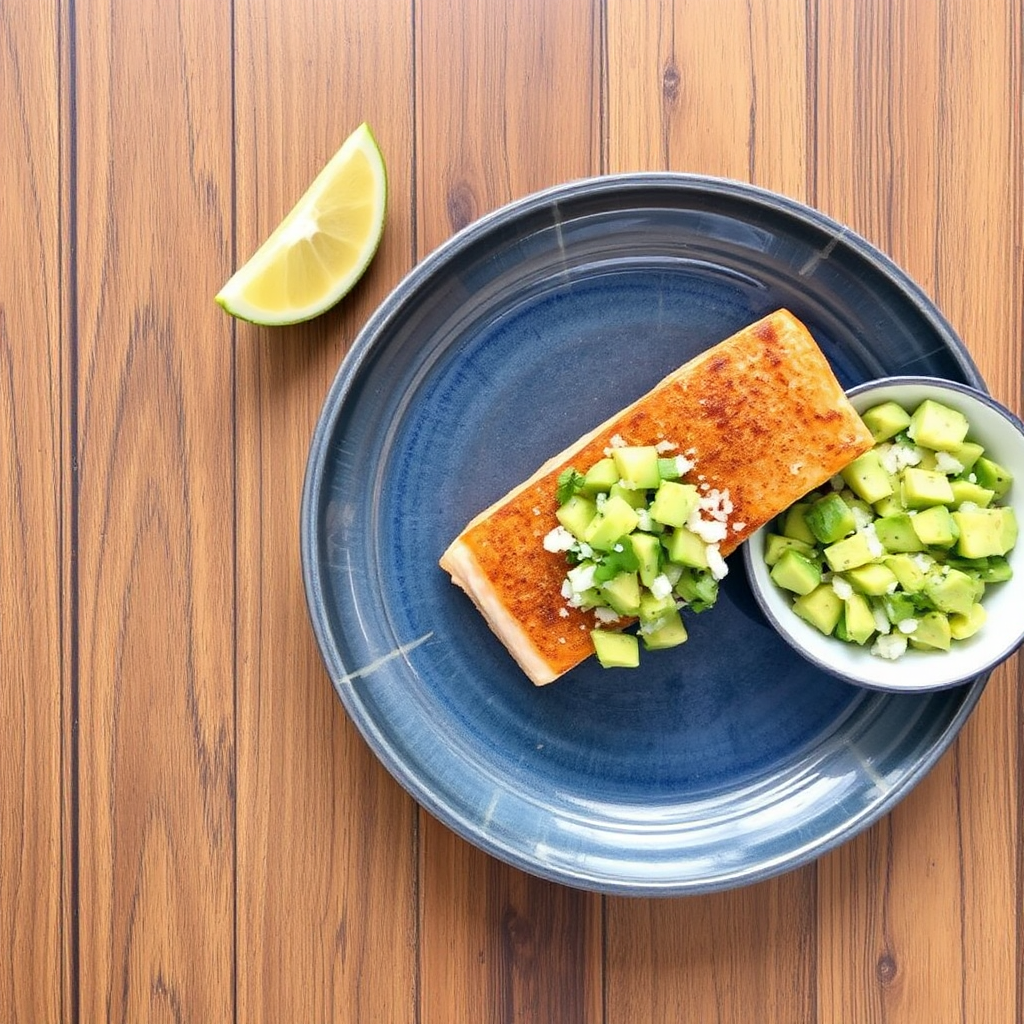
(761, 415)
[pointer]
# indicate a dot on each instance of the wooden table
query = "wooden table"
(191, 829)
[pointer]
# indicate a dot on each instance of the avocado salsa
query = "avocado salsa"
(899, 549)
(640, 545)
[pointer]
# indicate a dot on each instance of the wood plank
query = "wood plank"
(497, 944)
(33, 566)
(327, 840)
(710, 87)
(920, 150)
(154, 511)
(715, 88)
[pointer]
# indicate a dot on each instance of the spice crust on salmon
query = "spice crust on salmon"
(762, 417)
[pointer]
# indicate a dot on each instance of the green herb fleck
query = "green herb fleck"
(570, 482)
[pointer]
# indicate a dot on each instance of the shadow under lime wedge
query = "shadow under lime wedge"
(322, 247)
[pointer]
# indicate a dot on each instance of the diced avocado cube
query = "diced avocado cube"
(1009, 531)
(898, 607)
(699, 589)
(951, 592)
(873, 579)
(775, 544)
(671, 633)
(963, 626)
(932, 632)
(600, 477)
(822, 608)
(867, 478)
(909, 574)
(631, 496)
(616, 650)
(935, 527)
(981, 532)
(653, 609)
(858, 619)
(591, 598)
(615, 519)
(576, 515)
(897, 534)
(684, 547)
(830, 519)
(622, 592)
(937, 426)
(849, 553)
(928, 460)
(794, 525)
(967, 454)
(993, 476)
(674, 503)
(964, 490)
(668, 469)
(885, 420)
(892, 505)
(647, 549)
(638, 465)
(923, 488)
(996, 570)
(796, 572)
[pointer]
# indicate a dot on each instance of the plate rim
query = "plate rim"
(348, 373)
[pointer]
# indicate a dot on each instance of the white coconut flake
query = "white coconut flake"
(615, 441)
(663, 447)
(581, 577)
(842, 589)
(563, 613)
(907, 626)
(716, 563)
(739, 526)
(711, 531)
(606, 615)
(861, 518)
(660, 586)
(882, 623)
(946, 463)
(875, 546)
(795, 467)
(559, 539)
(890, 646)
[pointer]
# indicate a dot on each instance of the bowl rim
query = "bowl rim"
(759, 580)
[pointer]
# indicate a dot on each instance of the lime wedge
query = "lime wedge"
(319, 251)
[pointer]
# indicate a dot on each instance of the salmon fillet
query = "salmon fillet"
(761, 416)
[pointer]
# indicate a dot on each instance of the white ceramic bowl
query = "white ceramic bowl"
(1002, 435)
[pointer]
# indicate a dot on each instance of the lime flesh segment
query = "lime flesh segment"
(322, 247)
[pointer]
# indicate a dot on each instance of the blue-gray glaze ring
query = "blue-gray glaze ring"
(729, 759)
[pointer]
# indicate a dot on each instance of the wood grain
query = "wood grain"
(191, 829)
(327, 840)
(154, 496)
(919, 914)
(496, 944)
(712, 88)
(33, 432)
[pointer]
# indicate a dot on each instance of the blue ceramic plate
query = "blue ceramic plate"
(721, 762)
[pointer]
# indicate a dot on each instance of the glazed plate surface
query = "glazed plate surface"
(721, 762)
